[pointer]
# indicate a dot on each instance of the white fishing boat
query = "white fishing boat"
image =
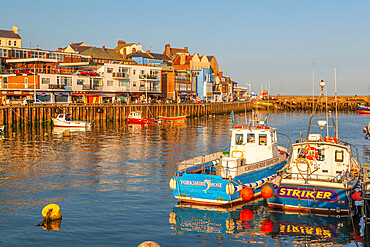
(323, 175)
(64, 120)
(225, 178)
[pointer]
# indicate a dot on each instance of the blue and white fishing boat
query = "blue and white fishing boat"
(220, 178)
(323, 173)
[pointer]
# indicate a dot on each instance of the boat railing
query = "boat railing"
(339, 178)
(257, 166)
(198, 161)
(284, 141)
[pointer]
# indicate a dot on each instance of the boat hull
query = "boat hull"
(207, 189)
(315, 199)
(70, 124)
(139, 120)
(173, 119)
(363, 112)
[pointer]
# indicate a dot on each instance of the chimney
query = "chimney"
(133, 50)
(104, 47)
(148, 52)
(121, 42)
(186, 49)
(60, 49)
(221, 73)
(15, 29)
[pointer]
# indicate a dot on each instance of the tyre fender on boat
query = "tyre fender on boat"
(173, 183)
(230, 189)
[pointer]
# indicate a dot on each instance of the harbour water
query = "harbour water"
(111, 184)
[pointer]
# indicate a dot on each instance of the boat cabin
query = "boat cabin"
(249, 145)
(134, 114)
(322, 158)
(64, 117)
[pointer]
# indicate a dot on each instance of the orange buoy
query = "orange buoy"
(247, 193)
(267, 191)
(246, 215)
(267, 226)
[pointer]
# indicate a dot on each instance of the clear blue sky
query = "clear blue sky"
(256, 41)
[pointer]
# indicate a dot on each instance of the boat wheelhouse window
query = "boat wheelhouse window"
(321, 156)
(262, 139)
(339, 156)
(238, 139)
(251, 138)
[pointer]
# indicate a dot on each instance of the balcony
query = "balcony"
(148, 77)
(182, 78)
(56, 86)
(149, 89)
(120, 75)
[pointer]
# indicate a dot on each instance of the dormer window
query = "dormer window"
(9, 43)
(15, 43)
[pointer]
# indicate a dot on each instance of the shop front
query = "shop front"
(45, 97)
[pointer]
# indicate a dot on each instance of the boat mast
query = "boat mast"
(336, 103)
(313, 88)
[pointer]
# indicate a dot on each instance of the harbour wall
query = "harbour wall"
(343, 103)
(18, 116)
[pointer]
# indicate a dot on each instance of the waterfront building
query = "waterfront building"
(172, 52)
(127, 48)
(10, 38)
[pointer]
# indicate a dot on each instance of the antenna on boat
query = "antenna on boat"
(336, 103)
(313, 87)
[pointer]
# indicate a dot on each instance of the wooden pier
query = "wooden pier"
(18, 116)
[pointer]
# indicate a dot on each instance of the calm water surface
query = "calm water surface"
(112, 186)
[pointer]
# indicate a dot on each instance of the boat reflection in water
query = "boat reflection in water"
(60, 130)
(255, 223)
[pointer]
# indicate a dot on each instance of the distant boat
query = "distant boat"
(363, 109)
(173, 119)
(135, 118)
(64, 120)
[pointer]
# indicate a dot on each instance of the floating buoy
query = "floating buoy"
(246, 193)
(51, 212)
(267, 226)
(246, 215)
(267, 191)
(149, 244)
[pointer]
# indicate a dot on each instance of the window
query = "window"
(109, 70)
(45, 81)
(251, 138)
(339, 156)
(262, 139)
(238, 139)
(80, 82)
(15, 43)
(9, 43)
(110, 83)
(25, 82)
(133, 72)
(134, 84)
(0, 41)
(5, 82)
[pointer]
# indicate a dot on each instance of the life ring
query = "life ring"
(301, 171)
(312, 153)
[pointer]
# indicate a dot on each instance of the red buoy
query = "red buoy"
(246, 193)
(246, 215)
(267, 226)
(267, 191)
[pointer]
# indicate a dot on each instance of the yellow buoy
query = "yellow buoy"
(51, 212)
(66, 133)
